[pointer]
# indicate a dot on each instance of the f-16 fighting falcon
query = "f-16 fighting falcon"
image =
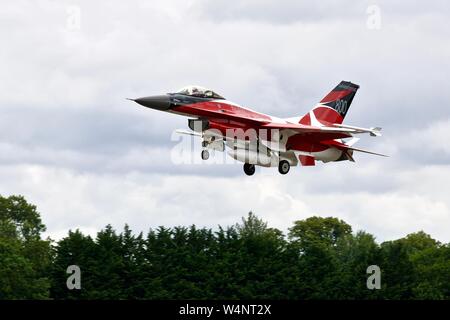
(255, 138)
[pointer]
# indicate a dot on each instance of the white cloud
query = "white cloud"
(69, 200)
(87, 157)
(432, 140)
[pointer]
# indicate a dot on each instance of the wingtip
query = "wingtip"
(130, 99)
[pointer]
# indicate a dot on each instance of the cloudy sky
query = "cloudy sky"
(72, 145)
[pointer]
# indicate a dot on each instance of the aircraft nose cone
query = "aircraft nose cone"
(161, 102)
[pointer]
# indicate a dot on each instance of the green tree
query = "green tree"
(326, 231)
(415, 267)
(432, 267)
(315, 240)
(24, 256)
(431, 263)
(75, 249)
(260, 256)
(355, 253)
(398, 272)
(133, 256)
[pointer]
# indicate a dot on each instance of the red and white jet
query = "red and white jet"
(255, 138)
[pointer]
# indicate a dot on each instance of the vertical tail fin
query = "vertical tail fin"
(333, 107)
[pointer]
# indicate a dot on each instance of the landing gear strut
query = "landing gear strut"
(283, 167)
(249, 169)
(205, 154)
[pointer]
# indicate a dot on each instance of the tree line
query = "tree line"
(319, 258)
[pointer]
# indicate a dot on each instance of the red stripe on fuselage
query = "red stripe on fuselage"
(216, 108)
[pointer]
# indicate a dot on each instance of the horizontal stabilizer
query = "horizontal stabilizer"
(352, 142)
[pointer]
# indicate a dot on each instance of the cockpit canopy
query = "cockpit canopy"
(197, 91)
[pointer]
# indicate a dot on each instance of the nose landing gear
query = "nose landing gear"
(205, 154)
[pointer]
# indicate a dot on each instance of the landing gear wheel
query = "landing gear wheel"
(249, 169)
(205, 154)
(283, 167)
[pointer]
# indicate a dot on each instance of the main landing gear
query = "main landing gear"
(249, 169)
(283, 167)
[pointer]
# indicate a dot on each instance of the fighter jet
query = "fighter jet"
(255, 138)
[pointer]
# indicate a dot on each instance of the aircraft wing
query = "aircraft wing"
(262, 121)
(301, 128)
(333, 129)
